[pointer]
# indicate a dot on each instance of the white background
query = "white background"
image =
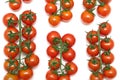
(74, 26)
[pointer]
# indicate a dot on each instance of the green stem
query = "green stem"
(61, 63)
(60, 6)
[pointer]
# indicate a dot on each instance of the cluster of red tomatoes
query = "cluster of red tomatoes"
(103, 10)
(20, 47)
(99, 50)
(16, 4)
(63, 13)
(60, 47)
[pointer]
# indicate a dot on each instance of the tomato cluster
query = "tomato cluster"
(16, 4)
(103, 10)
(60, 49)
(99, 49)
(20, 47)
(63, 13)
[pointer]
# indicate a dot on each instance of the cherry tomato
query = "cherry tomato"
(52, 35)
(25, 74)
(96, 77)
(92, 37)
(69, 39)
(51, 76)
(69, 55)
(87, 17)
(66, 15)
(9, 76)
(109, 72)
(71, 68)
(28, 17)
(10, 64)
(11, 50)
(67, 4)
(104, 10)
(28, 46)
(106, 1)
(28, 32)
(15, 4)
(94, 64)
(10, 20)
(107, 44)
(54, 63)
(51, 52)
(50, 8)
(65, 77)
(50, 1)
(32, 60)
(27, 1)
(105, 28)
(107, 57)
(54, 20)
(92, 50)
(89, 4)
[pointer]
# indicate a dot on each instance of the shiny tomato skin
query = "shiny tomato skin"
(92, 37)
(29, 32)
(54, 20)
(25, 47)
(89, 5)
(107, 58)
(28, 17)
(73, 68)
(65, 77)
(50, 8)
(67, 5)
(32, 61)
(110, 73)
(99, 77)
(11, 50)
(12, 18)
(69, 55)
(54, 63)
(52, 35)
(107, 45)
(15, 5)
(66, 15)
(105, 28)
(87, 17)
(51, 52)
(51, 76)
(69, 39)
(9, 76)
(103, 11)
(25, 74)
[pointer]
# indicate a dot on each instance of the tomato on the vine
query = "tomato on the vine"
(15, 4)
(89, 4)
(25, 73)
(28, 46)
(32, 60)
(11, 50)
(54, 63)
(52, 35)
(87, 17)
(107, 44)
(51, 76)
(66, 15)
(9, 76)
(99, 76)
(103, 10)
(69, 55)
(67, 4)
(50, 8)
(10, 20)
(109, 72)
(94, 64)
(64, 77)
(92, 37)
(29, 32)
(105, 28)
(54, 20)
(69, 39)
(28, 17)
(71, 68)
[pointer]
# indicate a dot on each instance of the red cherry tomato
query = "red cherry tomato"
(15, 4)
(54, 63)
(54, 20)
(51, 76)
(94, 77)
(65, 77)
(9, 76)
(67, 4)
(89, 4)
(66, 15)
(106, 1)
